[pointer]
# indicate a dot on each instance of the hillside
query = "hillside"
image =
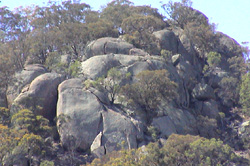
(121, 86)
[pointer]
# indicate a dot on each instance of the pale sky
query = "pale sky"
(231, 16)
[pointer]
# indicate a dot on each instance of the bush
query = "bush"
(213, 59)
(245, 94)
(178, 150)
(151, 88)
(111, 84)
(47, 163)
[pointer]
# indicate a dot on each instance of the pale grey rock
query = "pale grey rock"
(215, 76)
(176, 59)
(107, 45)
(23, 78)
(88, 117)
(116, 129)
(183, 120)
(96, 148)
(164, 125)
(167, 40)
(103, 97)
(84, 112)
(127, 60)
(98, 66)
(139, 52)
(40, 96)
(188, 74)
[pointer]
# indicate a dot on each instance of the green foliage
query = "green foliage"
(167, 55)
(202, 36)
(32, 144)
(111, 84)
(117, 11)
(47, 163)
(181, 13)
(8, 140)
(237, 66)
(139, 31)
(151, 88)
(28, 121)
(178, 150)
(245, 93)
(207, 127)
(74, 69)
(28, 147)
(153, 132)
(229, 91)
(213, 59)
(24, 119)
(63, 66)
(4, 116)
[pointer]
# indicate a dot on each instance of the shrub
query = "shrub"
(110, 84)
(150, 89)
(178, 150)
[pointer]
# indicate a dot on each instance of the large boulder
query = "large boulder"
(91, 123)
(227, 45)
(174, 120)
(215, 76)
(40, 96)
(23, 78)
(165, 126)
(136, 51)
(188, 73)
(203, 92)
(117, 129)
(98, 66)
(83, 112)
(107, 45)
(167, 40)
(207, 108)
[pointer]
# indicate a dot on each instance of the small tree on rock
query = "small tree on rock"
(151, 88)
(111, 83)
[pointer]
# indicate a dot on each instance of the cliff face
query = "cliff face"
(94, 123)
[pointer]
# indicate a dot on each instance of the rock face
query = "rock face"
(165, 125)
(167, 40)
(90, 122)
(23, 78)
(86, 118)
(98, 66)
(136, 51)
(203, 92)
(40, 96)
(227, 45)
(107, 45)
(207, 108)
(83, 110)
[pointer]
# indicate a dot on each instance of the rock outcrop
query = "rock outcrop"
(23, 78)
(203, 92)
(40, 96)
(98, 66)
(107, 45)
(92, 124)
(167, 40)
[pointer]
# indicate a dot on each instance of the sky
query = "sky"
(232, 17)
